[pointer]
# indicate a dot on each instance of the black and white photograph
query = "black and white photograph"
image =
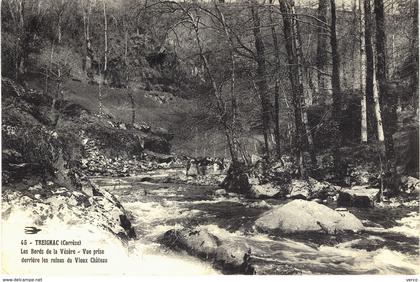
(179, 138)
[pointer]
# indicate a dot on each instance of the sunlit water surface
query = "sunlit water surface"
(389, 245)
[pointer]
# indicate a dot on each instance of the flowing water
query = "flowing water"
(389, 245)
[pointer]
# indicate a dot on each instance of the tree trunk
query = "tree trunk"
(354, 47)
(295, 81)
(362, 76)
(21, 44)
(233, 127)
(377, 107)
(276, 113)
(261, 75)
(371, 119)
(59, 30)
(89, 52)
(277, 136)
(300, 63)
(415, 54)
(391, 68)
(57, 98)
(126, 54)
(105, 40)
(133, 108)
(100, 95)
(103, 73)
(322, 49)
(336, 106)
(387, 101)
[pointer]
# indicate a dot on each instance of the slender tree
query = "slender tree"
(233, 128)
(387, 100)
(261, 74)
(104, 70)
(362, 75)
(276, 112)
(322, 49)
(372, 117)
(105, 67)
(415, 53)
(87, 11)
(336, 89)
(295, 77)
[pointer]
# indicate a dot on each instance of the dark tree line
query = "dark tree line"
(257, 60)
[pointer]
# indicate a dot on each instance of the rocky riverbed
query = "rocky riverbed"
(225, 231)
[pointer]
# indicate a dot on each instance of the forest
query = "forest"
(290, 100)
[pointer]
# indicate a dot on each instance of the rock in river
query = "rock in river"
(229, 256)
(262, 191)
(358, 196)
(301, 216)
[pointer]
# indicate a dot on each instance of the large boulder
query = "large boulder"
(301, 216)
(92, 205)
(197, 242)
(230, 254)
(358, 196)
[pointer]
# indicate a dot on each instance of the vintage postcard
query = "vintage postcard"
(184, 138)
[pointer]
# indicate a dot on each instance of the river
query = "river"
(389, 245)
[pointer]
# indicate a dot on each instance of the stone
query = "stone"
(262, 191)
(298, 189)
(72, 207)
(321, 189)
(410, 185)
(358, 196)
(369, 244)
(197, 242)
(220, 192)
(223, 251)
(310, 189)
(231, 254)
(36, 187)
(260, 205)
(303, 216)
